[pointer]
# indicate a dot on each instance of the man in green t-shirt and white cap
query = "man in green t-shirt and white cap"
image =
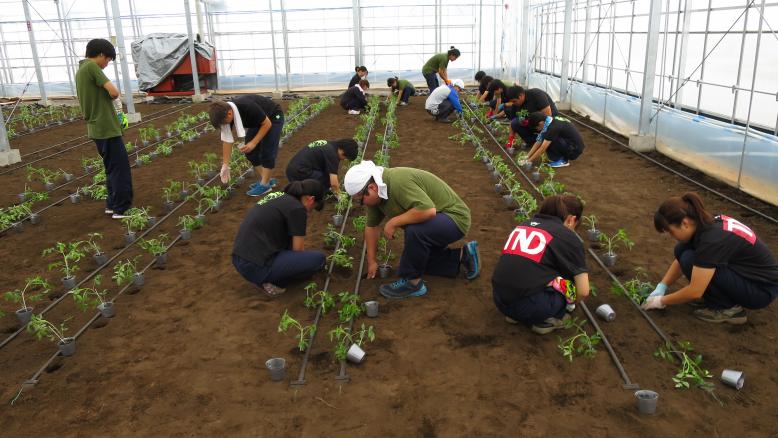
(431, 213)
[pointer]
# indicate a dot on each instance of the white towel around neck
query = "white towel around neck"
(239, 129)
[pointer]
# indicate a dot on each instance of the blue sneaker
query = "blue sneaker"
(559, 163)
(259, 190)
(470, 260)
(403, 288)
(272, 183)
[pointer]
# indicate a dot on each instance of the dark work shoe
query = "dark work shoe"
(734, 315)
(550, 324)
(403, 288)
(470, 260)
(446, 120)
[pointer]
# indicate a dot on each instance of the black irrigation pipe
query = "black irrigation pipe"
(676, 172)
(628, 384)
(304, 364)
(70, 148)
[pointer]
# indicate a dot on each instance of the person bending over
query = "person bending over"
(432, 215)
(355, 98)
(483, 88)
(403, 88)
(361, 73)
(523, 102)
(438, 65)
(557, 138)
(269, 249)
(543, 267)
(726, 263)
(259, 121)
(494, 96)
(445, 100)
(320, 161)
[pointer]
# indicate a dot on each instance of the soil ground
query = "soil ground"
(185, 356)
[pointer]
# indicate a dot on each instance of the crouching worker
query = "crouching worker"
(557, 138)
(320, 161)
(726, 264)
(432, 215)
(403, 88)
(445, 100)
(269, 249)
(355, 98)
(543, 267)
(260, 121)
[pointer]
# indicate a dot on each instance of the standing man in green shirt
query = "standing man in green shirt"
(431, 213)
(95, 95)
(437, 65)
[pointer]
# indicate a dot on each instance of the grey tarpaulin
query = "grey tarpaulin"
(156, 55)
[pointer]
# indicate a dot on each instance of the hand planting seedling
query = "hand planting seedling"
(580, 343)
(304, 333)
(34, 290)
(691, 370)
(636, 289)
(315, 298)
(70, 254)
(341, 259)
(349, 306)
(345, 339)
(87, 298)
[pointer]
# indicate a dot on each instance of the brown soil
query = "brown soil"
(185, 356)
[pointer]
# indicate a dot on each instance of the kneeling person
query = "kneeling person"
(320, 161)
(432, 215)
(542, 267)
(557, 138)
(269, 249)
(444, 100)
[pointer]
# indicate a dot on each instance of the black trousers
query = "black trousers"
(118, 179)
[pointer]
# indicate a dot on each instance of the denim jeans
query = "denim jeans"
(407, 93)
(432, 81)
(535, 308)
(426, 248)
(118, 179)
(266, 151)
(727, 288)
(287, 267)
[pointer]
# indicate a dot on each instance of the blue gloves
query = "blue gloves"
(123, 122)
(659, 291)
(501, 107)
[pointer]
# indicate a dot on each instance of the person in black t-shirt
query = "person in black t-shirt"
(557, 138)
(361, 73)
(260, 121)
(522, 103)
(543, 267)
(320, 161)
(355, 98)
(269, 249)
(483, 88)
(723, 259)
(494, 96)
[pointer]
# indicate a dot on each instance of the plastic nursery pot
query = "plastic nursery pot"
(138, 163)
(355, 354)
(185, 235)
(490, 167)
(609, 259)
(160, 260)
(75, 198)
(129, 238)
(498, 188)
(137, 279)
(216, 207)
(87, 169)
(484, 160)
(733, 378)
(384, 271)
(200, 181)
(35, 218)
(337, 220)
(100, 258)
(646, 401)
(169, 206)
(68, 177)
(145, 142)
(17, 226)
(67, 346)
(371, 309)
(22, 197)
(212, 173)
(151, 221)
(508, 200)
(106, 309)
(24, 315)
(593, 235)
(526, 167)
(153, 155)
(276, 367)
(606, 313)
(184, 193)
(495, 175)
(201, 218)
(69, 282)
(535, 176)
(511, 151)
(169, 134)
(239, 180)
(49, 186)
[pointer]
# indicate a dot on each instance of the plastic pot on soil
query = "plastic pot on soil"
(733, 378)
(606, 313)
(200, 181)
(355, 354)
(160, 260)
(498, 188)
(185, 235)
(508, 200)
(276, 367)
(201, 218)
(68, 177)
(495, 175)
(138, 163)
(609, 259)
(535, 176)
(169, 206)
(216, 206)
(153, 155)
(137, 280)
(67, 346)
(490, 167)
(526, 166)
(49, 186)
(212, 173)
(17, 226)
(34, 218)
(593, 235)
(371, 309)
(24, 315)
(100, 258)
(22, 197)
(511, 151)
(69, 282)
(484, 159)
(184, 193)
(646, 401)
(337, 220)
(75, 198)
(152, 221)
(384, 271)
(129, 238)
(106, 309)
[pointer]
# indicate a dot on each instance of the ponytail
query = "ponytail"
(562, 206)
(675, 209)
(294, 188)
(454, 51)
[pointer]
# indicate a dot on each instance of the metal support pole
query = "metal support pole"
(644, 141)
(735, 89)
(199, 12)
(564, 104)
(65, 48)
(44, 101)
(132, 20)
(687, 18)
(110, 36)
(286, 46)
(480, 25)
(7, 155)
(192, 57)
(208, 25)
(273, 42)
(435, 12)
(587, 40)
(704, 51)
(132, 116)
(357, 16)
(137, 18)
(524, 48)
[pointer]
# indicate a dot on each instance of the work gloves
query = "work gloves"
(224, 174)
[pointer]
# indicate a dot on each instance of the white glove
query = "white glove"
(659, 291)
(117, 104)
(653, 303)
(225, 173)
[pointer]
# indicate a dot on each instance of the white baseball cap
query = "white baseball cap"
(458, 83)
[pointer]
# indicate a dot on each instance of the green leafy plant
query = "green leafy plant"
(189, 223)
(691, 370)
(304, 333)
(341, 259)
(172, 191)
(70, 254)
(580, 343)
(359, 223)
(165, 148)
(590, 221)
(316, 298)
(636, 289)
(136, 219)
(349, 306)
(211, 161)
(87, 298)
(614, 240)
(129, 147)
(26, 294)
(124, 272)
(343, 203)
(40, 328)
(46, 176)
(91, 243)
(384, 252)
(344, 339)
(156, 246)
(197, 169)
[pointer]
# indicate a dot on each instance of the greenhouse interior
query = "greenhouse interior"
(241, 217)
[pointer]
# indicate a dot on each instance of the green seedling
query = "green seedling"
(590, 221)
(612, 241)
(91, 243)
(40, 328)
(189, 223)
(345, 339)
(349, 306)
(124, 272)
(70, 253)
(344, 202)
(691, 370)
(172, 191)
(315, 298)
(341, 259)
(136, 219)
(359, 223)
(580, 343)
(304, 333)
(384, 252)
(87, 298)
(156, 246)
(34, 289)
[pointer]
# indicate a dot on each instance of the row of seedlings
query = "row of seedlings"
(32, 118)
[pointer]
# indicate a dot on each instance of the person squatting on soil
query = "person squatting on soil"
(494, 94)
(483, 88)
(259, 121)
(726, 263)
(557, 138)
(403, 88)
(438, 65)
(522, 103)
(320, 161)
(361, 73)
(432, 215)
(355, 98)
(104, 124)
(543, 267)
(445, 100)
(269, 249)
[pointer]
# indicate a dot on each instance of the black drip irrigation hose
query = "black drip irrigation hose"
(304, 364)
(676, 172)
(628, 384)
